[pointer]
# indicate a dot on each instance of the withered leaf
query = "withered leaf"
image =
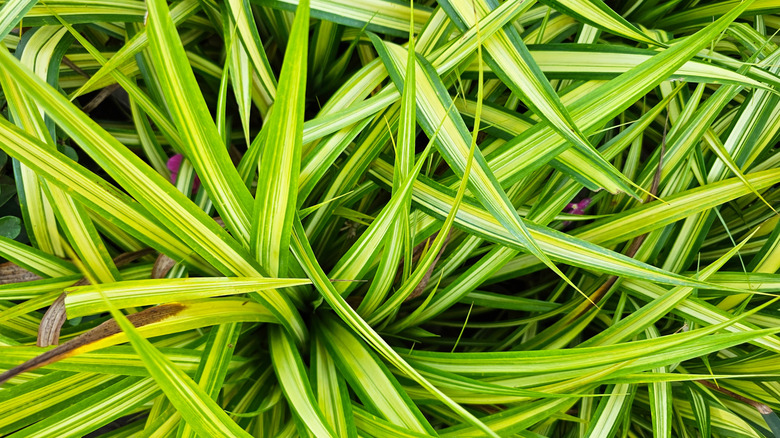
(104, 330)
(12, 273)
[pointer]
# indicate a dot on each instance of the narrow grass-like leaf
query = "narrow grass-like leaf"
(376, 15)
(568, 249)
(156, 193)
(292, 376)
(661, 213)
(205, 148)
(241, 79)
(397, 242)
(279, 167)
(638, 355)
(305, 257)
(583, 61)
(76, 224)
(372, 381)
(34, 260)
(331, 389)
(87, 300)
(194, 404)
(704, 13)
(452, 141)
(179, 12)
(426, 263)
(78, 12)
(598, 14)
(113, 154)
(94, 192)
(702, 312)
(37, 209)
(605, 420)
(113, 402)
(116, 360)
(352, 264)
(11, 13)
(640, 318)
(510, 59)
(515, 419)
(156, 321)
(241, 13)
(603, 103)
(369, 422)
(701, 409)
(32, 401)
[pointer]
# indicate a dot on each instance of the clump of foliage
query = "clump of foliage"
(370, 218)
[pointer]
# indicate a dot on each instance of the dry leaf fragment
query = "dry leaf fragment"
(13, 273)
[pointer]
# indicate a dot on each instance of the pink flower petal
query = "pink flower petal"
(578, 207)
(174, 163)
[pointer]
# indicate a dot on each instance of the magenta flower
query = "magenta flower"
(578, 207)
(174, 164)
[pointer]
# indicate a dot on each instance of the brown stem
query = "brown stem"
(418, 290)
(760, 407)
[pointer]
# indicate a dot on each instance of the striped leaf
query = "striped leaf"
(191, 401)
(279, 167)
